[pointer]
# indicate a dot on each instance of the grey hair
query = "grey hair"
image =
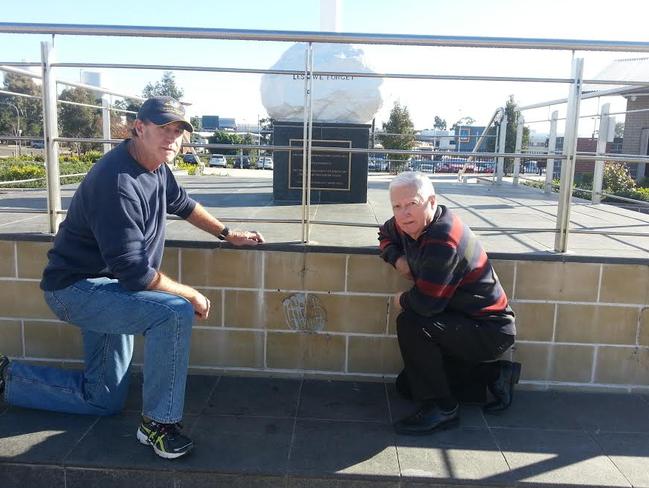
(416, 180)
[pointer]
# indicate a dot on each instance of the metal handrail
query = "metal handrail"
(322, 37)
(352, 38)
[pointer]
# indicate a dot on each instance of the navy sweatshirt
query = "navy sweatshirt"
(115, 226)
(451, 271)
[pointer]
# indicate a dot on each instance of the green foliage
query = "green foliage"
(252, 153)
(22, 170)
(617, 178)
(619, 129)
(223, 137)
(463, 122)
(25, 167)
(401, 132)
(641, 194)
(72, 168)
(91, 156)
(190, 168)
(440, 123)
(197, 123)
(79, 121)
(616, 182)
(127, 104)
(266, 126)
(513, 114)
(644, 182)
(165, 87)
(28, 110)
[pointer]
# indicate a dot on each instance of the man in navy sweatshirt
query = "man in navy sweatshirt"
(104, 276)
(455, 312)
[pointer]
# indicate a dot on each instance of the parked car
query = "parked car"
(377, 164)
(242, 162)
(38, 144)
(218, 161)
(190, 158)
(265, 162)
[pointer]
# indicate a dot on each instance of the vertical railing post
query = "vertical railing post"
(105, 119)
(519, 147)
(602, 139)
(552, 147)
(51, 133)
(305, 135)
(569, 153)
(502, 136)
(309, 143)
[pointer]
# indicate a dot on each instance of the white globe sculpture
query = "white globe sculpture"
(343, 99)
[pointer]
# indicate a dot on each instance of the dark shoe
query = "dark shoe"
(166, 439)
(427, 420)
(4, 363)
(502, 388)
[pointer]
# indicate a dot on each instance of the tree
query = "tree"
(617, 179)
(79, 121)
(266, 128)
(400, 133)
(223, 137)
(196, 122)
(619, 129)
(439, 123)
(463, 121)
(165, 87)
(513, 114)
(29, 109)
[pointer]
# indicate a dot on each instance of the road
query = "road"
(8, 150)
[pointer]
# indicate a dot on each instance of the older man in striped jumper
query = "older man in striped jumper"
(456, 310)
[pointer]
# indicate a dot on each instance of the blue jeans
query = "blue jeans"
(108, 316)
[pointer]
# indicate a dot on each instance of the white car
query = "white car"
(217, 161)
(265, 162)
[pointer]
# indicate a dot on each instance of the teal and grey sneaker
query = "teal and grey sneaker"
(166, 439)
(4, 363)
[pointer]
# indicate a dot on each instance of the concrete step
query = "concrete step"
(269, 432)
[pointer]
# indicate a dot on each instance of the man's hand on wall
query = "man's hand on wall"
(402, 267)
(244, 238)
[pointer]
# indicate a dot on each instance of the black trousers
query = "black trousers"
(443, 352)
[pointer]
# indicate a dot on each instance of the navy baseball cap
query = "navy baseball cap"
(163, 111)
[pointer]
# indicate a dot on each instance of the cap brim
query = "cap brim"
(166, 119)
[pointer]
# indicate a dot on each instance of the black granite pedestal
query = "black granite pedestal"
(336, 177)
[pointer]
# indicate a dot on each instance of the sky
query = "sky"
(238, 95)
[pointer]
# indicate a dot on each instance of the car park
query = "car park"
(218, 161)
(191, 158)
(265, 162)
(242, 162)
(377, 164)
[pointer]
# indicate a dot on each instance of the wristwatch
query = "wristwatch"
(224, 233)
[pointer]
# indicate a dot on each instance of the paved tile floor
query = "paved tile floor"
(269, 432)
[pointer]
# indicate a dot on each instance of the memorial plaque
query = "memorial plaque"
(336, 176)
(329, 170)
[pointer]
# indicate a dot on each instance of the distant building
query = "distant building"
(586, 145)
(466, 137)
(636, 120)
(211, 123)
(437, 138)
